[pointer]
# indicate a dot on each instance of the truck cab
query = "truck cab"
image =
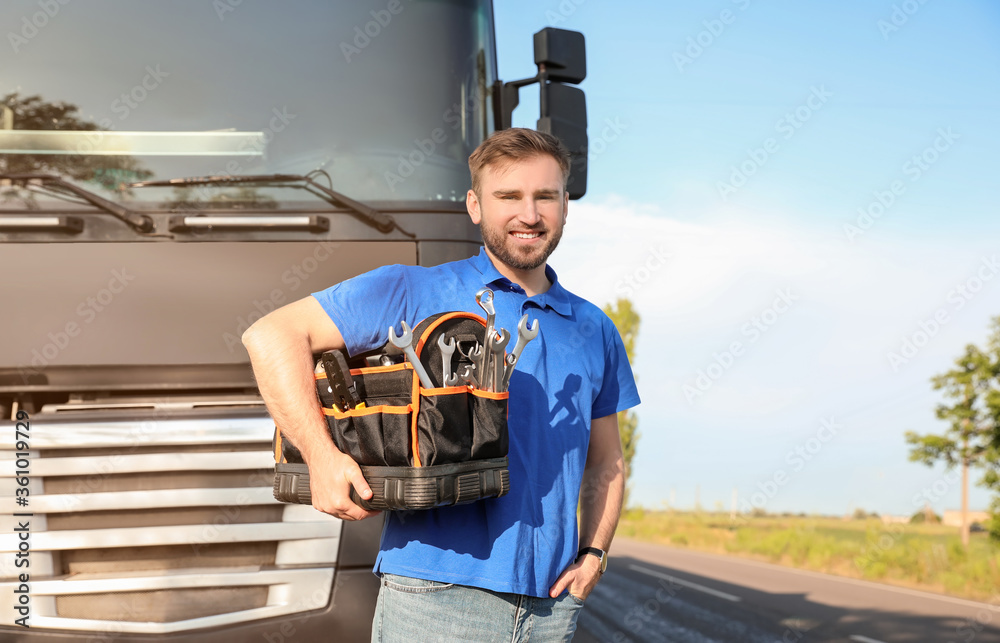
(169, 173)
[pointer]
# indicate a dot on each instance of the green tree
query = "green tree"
(243, 197)
(972, 436)
(991, 479)
(627, 320)
(925, 515)
(35, 113)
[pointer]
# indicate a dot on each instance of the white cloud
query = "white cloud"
(827, 353)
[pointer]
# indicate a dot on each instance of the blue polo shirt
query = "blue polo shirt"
(574, 371)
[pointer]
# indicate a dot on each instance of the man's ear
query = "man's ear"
(565, 206)
(472, 205)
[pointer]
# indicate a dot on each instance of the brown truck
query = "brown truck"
(169, 173)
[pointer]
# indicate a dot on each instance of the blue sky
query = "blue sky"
(725, 201)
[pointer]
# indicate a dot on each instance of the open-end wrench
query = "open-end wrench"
(485, 300)
(524, 335)
(485, 355)
(466, 352)
(405, 343)
(497, 346)
(447, 350)
(466, 374)
(476, 354)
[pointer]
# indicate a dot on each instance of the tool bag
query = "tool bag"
(418, 448)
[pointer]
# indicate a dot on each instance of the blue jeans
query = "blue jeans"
(410, 610)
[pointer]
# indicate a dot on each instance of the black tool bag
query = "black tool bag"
(418, 448)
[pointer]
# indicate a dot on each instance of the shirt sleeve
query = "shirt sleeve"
(364, 307)
(618, 391)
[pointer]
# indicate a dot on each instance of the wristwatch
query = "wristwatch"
(600, 553)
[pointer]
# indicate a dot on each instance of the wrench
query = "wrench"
(484, 356)
(474, 355)
(447, 350)
(405, 342)
(497, 346)
(466, 375)
(470, 351)
(485, 300)
(524, 335)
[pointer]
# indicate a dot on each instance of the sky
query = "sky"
(798, 199)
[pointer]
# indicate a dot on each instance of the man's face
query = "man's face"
(522, 211)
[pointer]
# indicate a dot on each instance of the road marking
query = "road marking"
(863, 639)
(684, 583)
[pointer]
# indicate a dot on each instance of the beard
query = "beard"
(501, 246)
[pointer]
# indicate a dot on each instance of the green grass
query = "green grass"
(929, 557)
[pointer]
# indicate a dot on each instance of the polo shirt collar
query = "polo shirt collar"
(556, 297)
(482, 263)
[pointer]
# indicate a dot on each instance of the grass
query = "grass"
(928, 557)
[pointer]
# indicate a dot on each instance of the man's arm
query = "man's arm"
(281, 346)
(601, 495)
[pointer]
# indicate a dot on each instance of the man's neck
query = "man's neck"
(534, 281)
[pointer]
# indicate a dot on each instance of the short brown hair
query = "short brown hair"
(516, 144)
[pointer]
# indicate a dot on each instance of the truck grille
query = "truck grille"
(160, 526)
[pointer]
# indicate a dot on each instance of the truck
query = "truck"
(169, 173)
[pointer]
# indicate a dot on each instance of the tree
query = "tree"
(992, 401)
(974, 432)
(34, 113)
(627, 322)
(244, 197)
(925, 515)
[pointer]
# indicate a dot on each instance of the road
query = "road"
(656, 593)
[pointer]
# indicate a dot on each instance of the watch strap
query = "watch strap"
(600, 553)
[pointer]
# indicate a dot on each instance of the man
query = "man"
(507, 568)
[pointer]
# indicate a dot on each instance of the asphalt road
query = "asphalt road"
(655, 593)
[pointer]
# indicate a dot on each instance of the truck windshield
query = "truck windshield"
(387, 97)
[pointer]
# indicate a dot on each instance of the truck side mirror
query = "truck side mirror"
(561, 58)
(564, 54)
(566, 119)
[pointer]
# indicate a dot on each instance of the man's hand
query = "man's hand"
(331, 476)
(579, 578)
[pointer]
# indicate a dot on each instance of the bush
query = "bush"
(925, 516)
(926, 556)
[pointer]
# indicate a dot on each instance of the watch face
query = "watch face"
(600, 553)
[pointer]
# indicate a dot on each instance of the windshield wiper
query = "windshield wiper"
(57, 185)
(379, 220)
